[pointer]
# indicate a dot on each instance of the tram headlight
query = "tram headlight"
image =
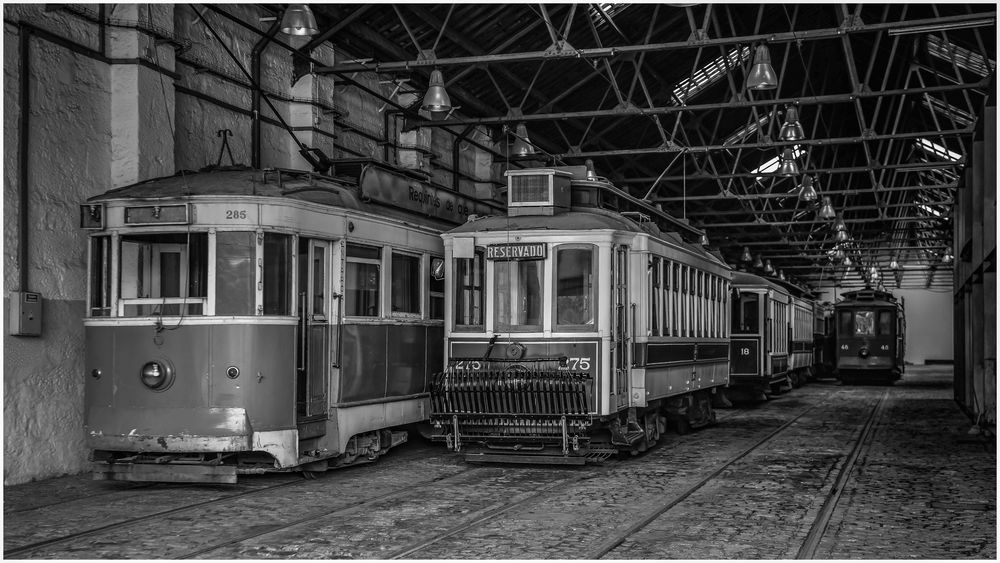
(157, 375)
(863, 352)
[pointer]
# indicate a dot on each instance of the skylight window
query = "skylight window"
(930, 210)
(709, 74)
(963, 58)
(937, 150)
(743, 132)
(609, 9)
(947, 110)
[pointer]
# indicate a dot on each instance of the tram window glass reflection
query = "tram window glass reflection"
(362, 281)
(654, 297)
(574, 287)
(518, 295)
(885, 323)
(435, 283)
(100, 276)
(469, 294)
(277, 274)
(162, 273)
(405, 284)
(864, 323)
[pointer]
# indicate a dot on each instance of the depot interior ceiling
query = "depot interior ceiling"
(656, 96)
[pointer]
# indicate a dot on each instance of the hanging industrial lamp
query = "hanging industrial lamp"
(298, 19)
(807, 192)
(839, 225)
(947, 258)
(436, 99)
(768, 267)
(792, 130)
(788, 166)
(847, 261)
(826, 211)
(745, 257)
(758, 263)
(762, 76)
(522, 144)
(703, 240)
(894, 264)
(841, 236)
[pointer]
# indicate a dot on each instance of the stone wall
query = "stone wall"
(135, 108)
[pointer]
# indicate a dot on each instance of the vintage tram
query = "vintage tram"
(581, 324)
(869, 337)
(242, 321)
(761, 337)
(801, 342)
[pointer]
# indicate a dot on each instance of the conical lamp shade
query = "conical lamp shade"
(758, 263)
(436, 100)
(762, 76)
(745, 257)
(839, 225)
(807, 192)
(841, 236)
(847, 261)
(768, 267)
(298, 19)
(703, 240)
(788, 166)
(792, 129)
(947, 258)
(894, 264)
(522, 145)
(826, 211)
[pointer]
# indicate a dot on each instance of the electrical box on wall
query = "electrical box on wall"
(25, 313)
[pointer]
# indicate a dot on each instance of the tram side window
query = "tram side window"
(405, 284)
(362, 281)
(885, 323)
(518, 295)
(277, 274)
(845, 325)
(163, 274)
(574, 287)
(234, 273)
(100, 276)
(675, 308)
(469, 294)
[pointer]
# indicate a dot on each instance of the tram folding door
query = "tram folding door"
(319, 323)
(620, 316)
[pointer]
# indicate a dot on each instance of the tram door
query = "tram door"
(318, 337)
(620, 316)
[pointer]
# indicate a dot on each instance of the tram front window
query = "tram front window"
(746, 314)
(864, 323)
(518, 295)
(163, 274)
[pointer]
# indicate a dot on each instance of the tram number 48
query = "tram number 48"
(883, 347)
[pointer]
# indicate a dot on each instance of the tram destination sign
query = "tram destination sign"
(516, 251)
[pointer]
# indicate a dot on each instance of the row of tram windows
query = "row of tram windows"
(862, 322)
(519, 288)
(169, 274)
(686, 301)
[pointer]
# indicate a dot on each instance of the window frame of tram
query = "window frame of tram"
(588, 292)
(358, 258)
(405, 295)
(515, 276)
(470, 293)
(148, 264)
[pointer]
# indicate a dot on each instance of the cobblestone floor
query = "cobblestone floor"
(920, 489)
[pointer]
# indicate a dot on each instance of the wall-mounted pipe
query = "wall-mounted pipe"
(23, 161)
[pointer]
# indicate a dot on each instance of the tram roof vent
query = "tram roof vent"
(538, 191)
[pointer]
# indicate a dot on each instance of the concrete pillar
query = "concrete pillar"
(142, 98)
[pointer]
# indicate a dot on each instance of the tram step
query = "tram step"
(541, 459)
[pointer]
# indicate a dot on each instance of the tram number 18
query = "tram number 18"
(745, 351)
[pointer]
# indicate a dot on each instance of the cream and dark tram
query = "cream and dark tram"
(583, 323)
(244, 321)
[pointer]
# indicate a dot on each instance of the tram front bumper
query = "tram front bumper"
(169, 429)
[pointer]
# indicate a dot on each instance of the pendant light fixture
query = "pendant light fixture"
(894, 264)
(947, 258)
(768, 267)
(758, 263)
(298, 19)
(745, 257)
(839, 225)
(522, 145)
(788, 167)
(807, 193)
(436, 99)
(703, 240)
(826, 211)
(847, 261)
(841, 236)
(792, 130)
(762, 76)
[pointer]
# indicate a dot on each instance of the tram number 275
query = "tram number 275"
(572, 364)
